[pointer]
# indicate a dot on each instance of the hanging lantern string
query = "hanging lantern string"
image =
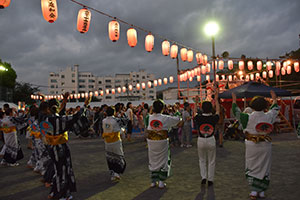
(135, 26)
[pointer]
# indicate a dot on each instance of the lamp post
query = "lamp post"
(2, 69)
(211, 29)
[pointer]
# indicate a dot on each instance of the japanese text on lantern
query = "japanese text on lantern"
(51, 9)
(86, 20)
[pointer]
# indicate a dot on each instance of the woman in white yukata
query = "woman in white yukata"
(257, 126)
(158, 144)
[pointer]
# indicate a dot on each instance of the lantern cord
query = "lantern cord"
(132, 25)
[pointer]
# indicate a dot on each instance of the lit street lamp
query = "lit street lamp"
(2, 69)
(211, 29)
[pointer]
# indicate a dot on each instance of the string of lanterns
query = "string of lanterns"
(143, 85)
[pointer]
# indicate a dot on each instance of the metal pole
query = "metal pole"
(213, 59)
(178, 78)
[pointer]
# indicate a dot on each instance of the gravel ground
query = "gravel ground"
(93, 181)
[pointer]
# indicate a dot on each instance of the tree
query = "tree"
(7, 78)
(225, 54)
(22, 92)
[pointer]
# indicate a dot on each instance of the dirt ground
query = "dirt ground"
(93, 181)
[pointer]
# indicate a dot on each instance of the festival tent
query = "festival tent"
(251, 89)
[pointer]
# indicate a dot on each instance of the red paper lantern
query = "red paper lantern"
(96, 93)
(119, 90)
(252, 77)
(217, 77)
(138, 86)
(191, 79)
(143, 86)
(199, 58)
(130, 87)
(221, 64)
(198, 78)
(223, 77)
(155, 83)
(257, 75)
(91, 94)
(171, 79)
(114, 30)
(283, 71)
(278, 65)
(289, 69)
(5, 3)
(149, 42)
(230, 64)
(296, 66)
(82, 95)
(124, 89)
(113, 91)
(174, 51)
(207, 77)
(101, 92)
(264, 74)
(149, 84)
(277, 72)
(183, 54)
(259, 65)
(132, 37)
(204, 59)
(165, 48)
(285, 65)
(49, 9)
(269, 65)
(250, 65)
(271, 74)
(203, 69)
(241, 65)
(165, 81)
(159, 81)
(83, 20)
(247, 77)
(192, 73)
(107, 91)
(190, 55)
(208, 68)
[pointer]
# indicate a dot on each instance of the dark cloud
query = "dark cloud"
(256, 28)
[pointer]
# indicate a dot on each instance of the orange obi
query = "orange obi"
(157, 135)
(57, 139)
(8, 129)
(36, 134)
(258, 138)
(111, 137)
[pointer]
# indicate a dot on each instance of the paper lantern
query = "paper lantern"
(86, 94)
(221, 64)
(277, 72)
(171, 79)
(83, 20)
(31, 96)
(5, 3)
(119, 89)
(208, 68)
(165, 48)
(101, 93)
(165, 81)
(296, 66)
(96, 93)
(192, 73)
(223, 77)
(241, 65)
(271, 74)
(183, 54)
(278, 65)
(247, 77)
(114, 30)
(264, 74)
(113, 91)
(285, 65)
(91, 94)
(289, 69)
(217, 77)
(159, 81)
(190, 55)
(199, 58)
(269, 65)
(257, 75)
(124, 89)
(75, 96)
(143, 86)
(149, 84)
(191, 79)
(57, 97)
(230, 64)
(207, 77)
(259, 65)
(283, 71)
(49, 9)
(149, 42)
(174, 51)
(107, 91)
(203, 69)
(198, 78)
(130, 87)
(82, 95)
(250, 65)
(138, 86)
(252, 77)
(204, 59)
(132, 37)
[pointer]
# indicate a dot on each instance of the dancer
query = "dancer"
(257, 126)
(113, 145)
(56, 128)
(158, 144)
(206, 143)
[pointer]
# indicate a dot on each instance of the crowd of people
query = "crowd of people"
(48, 124)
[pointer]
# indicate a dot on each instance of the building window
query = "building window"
(73, 75)
(81, 86)
(137, 76)
(108, 86)
(52, 86)
(137, 81)
(62, 84)
(100, 88)
(118, 81)
(147, 76)
(152, 97)
(62, 76)
(99, 82)
(91, 81)
(81, 81)
(133, 75)
(73, 92)
(107, 81)
(73, 81)
(91, 86)
(143, 77)
(151, 91)
(108, 97)
(53, 81)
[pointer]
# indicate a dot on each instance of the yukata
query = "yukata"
(12, 149)
(64, 180)
(257, 126)
(206, 144)
(158, 145)
(113, 146)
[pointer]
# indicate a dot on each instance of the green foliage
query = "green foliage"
(22, 92)
(7, 78)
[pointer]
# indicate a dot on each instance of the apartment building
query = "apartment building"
(74, 81)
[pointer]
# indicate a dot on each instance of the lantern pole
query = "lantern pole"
(214, 58)
(178, 78)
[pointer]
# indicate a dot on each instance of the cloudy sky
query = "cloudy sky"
(34, 47)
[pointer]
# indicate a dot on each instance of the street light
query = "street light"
(211, 29)
(2, 69)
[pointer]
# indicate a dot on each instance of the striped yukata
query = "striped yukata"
(257, 127)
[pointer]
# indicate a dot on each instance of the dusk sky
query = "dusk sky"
(34, 47)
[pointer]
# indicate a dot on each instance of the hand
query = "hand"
(66, 95)
(233, 98)
(273, 95)
(87, 100)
